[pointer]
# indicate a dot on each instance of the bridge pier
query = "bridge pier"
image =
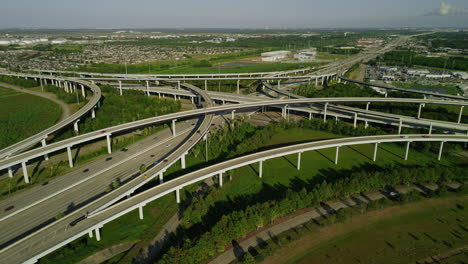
(70, 157)
(177, 193)
(260, 169)
(355, 120)
(90, 233)
(407, 149)
(178, 85)
(109, 147)
(75, 126)
(93, 113)
(310, 115)
(337, 153)
(83, 91)
(279, 83)
(140, 212)
(182, 161)
(322, 79)
(419, 110)
(10, 172)
(44, 143)
(220, 179)
(232, 114)
(174, 127)
(147, 88)
(25, 172)
(376, 147)
(238, 86)
(460, 115)
(206, 85)
(98, 235)
(400, 126)
(299, 160)
(120, 87)
(430, 128)
(367, 106)
(440, 150)
(325, 113)
(161, 177)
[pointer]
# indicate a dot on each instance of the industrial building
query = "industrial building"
(306, 54)
(275, 55)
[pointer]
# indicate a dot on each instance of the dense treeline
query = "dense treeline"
(335, 90)
(132, 106)
(239, 223)
(26, 83)
(454, 40)
(409, 59)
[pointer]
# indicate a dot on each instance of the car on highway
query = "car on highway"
(156, 163)
(166, 160)
(9, 208)
(124, 149)
(404, 136)
(108, 158)
(79, 219)
(85, 170)
(168, 145)
(103, 131)
(426, 136)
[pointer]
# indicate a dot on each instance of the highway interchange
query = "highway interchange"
(30, 231)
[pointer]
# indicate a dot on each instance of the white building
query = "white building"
(59, 41)
(461, 75)
(438, 76)
(275, 55)
(5, 42)
(306, 54)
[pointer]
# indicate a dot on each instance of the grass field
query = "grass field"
(399, 234)
(23, 115)
(279, 171)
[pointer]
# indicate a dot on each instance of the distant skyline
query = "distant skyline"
(66, 14)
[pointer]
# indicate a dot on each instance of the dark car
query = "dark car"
(9, 208)
(103, 131)
(166, 160)
(108, 158)
(426, 136)
(124, 149)
(85, 170)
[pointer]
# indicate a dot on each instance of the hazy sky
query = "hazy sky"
(232, 13)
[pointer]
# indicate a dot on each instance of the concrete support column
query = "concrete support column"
(25, 172)
(44, 143)
(75, 126)
(386, 93)
(310, 115)
(98, 235)
(260, 169)
(419, 110)
(220, 179)
(178, 85)
(299, 160)
(206, 85)
(430, 128)
(109, 147)
(161, 177)
(407, 150)
(232, 114)
(238, 86)
(323, 79)
(70, 157)
(376, 147)
(140, 212)
(325, 113)
(182, 161)
(279, 84)
(460, 115)
(440, 150)
(90, 233)
(82, 90)
(93, 113)
(10, 172)
(355, 120)
(147, 88)
(174, 127)
(337, 153)
(367, 106)
(316, 81)
(177, 193)
(120, 87)
(400, 126)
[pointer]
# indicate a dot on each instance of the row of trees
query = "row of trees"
(239, 223)
(408, 58)
(129, 107)
(26, 83)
